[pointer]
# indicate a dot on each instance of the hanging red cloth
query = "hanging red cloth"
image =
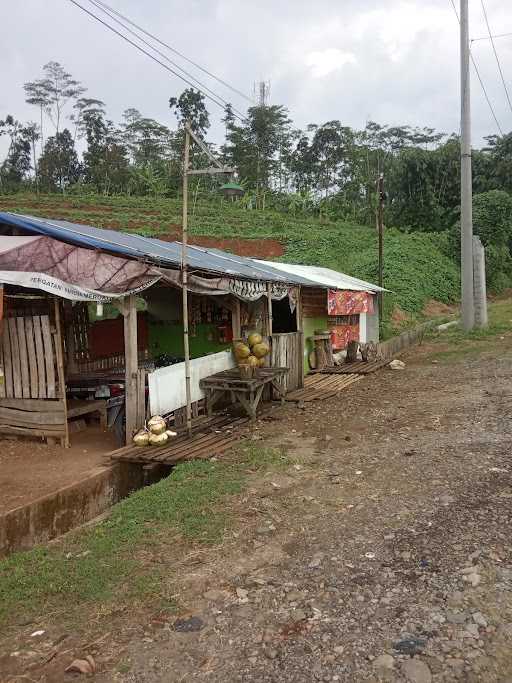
(342, 334)
(348, 302)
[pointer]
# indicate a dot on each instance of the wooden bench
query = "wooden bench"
(247, 392)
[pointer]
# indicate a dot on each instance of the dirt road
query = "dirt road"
(381, 552)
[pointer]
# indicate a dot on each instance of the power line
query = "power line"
(480, 78)
(164, 56)
(496, 35)
(148, 54)
(176, 52)
(496, 55)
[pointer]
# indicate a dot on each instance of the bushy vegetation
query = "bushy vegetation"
(492, 222)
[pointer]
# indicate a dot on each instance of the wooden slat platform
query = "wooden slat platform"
(318, 387)
(358, 367)
(210, 436)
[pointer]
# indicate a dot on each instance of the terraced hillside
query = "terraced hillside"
(416, 269)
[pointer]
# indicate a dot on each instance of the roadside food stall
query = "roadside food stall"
(110, 303)
(93, 320)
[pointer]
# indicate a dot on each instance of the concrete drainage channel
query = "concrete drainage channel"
(55, 514)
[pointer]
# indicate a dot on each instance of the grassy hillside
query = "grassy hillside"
(416, 270)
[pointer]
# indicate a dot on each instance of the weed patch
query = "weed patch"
(464, 344)
(257, 458)
(117, 556)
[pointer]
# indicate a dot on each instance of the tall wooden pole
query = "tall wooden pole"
(269, 308)
(466, 184)
(131, 366)
(184, 277)
(380, 226)
(60, 369)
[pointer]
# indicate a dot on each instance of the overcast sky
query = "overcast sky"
(393, 61)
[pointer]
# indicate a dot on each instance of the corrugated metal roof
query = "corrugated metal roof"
(325, 277)
(159, 252)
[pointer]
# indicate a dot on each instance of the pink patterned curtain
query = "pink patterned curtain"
(348, 302)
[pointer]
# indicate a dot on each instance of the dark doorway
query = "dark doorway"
(283, 320)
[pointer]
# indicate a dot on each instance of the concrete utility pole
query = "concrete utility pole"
(466, 180)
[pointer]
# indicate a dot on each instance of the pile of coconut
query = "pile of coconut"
(252, 353)
(154, 433)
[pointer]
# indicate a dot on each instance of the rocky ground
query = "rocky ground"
(381, 552)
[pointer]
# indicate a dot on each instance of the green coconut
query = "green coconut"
(242, 351)
(260, 350)
(254, 338)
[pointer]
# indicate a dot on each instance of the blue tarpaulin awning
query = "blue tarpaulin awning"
(155, 251)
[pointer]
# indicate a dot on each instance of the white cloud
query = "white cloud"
(324, 62)
(394, 61)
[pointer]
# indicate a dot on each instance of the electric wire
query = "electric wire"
(496, 35)
(172, 49)
(164, 56)
(480, 78)
(148, 54)
(496, 55)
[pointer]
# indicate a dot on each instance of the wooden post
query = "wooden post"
(69, 331)
(298, 309)
(2, 373)
(236, 319)
(184, 278)
(300, 333)
(269, 306)
(380, 223)
(60, 369)
(131, 366)
(141, 398)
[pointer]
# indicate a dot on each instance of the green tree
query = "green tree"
(32, 134)
(499, 150)
(492, 217)
(261, 146)
(83, 106)
(492, 222)
(58, 165)
(106, 164)
(147, 141)
(53, 92)
(37, 93)
(190, 106)
(16, 165)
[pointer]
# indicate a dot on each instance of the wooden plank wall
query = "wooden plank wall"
(314, 302)
(28, 358)
(288, 352)
(32, 400)
(33, 417)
